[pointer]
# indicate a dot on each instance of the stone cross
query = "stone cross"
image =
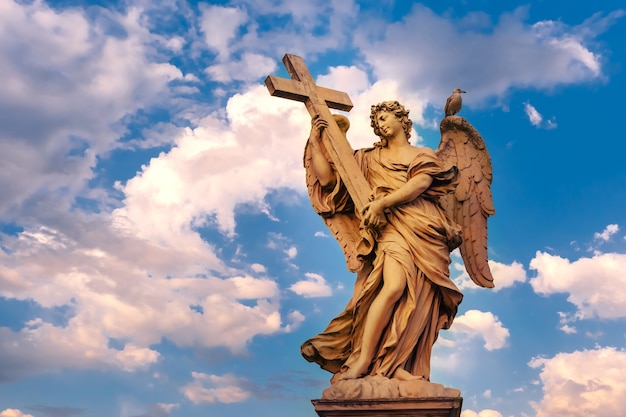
(318, 100)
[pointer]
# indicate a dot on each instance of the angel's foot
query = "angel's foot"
(355, 371)
(404, 375)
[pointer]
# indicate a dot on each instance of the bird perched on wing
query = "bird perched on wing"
(454, 102)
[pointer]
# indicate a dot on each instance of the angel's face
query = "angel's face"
(388, 124)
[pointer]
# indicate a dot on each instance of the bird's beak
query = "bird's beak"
(463, 91)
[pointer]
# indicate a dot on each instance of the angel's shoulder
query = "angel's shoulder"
(418, 152)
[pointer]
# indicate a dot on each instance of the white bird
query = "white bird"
(453, 103)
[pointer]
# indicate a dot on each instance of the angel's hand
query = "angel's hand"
(373, 214)
(318, 124)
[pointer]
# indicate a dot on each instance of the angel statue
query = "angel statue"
(423, 204)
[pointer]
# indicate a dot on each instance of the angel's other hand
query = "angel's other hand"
(318, 124)
(373, 214)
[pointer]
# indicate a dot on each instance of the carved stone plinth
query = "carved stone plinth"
(397, 407)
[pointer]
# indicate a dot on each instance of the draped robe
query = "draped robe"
(419, 237)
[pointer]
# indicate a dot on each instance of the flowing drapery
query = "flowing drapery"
(419, 237)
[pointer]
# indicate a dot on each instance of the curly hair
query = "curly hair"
(396, 109)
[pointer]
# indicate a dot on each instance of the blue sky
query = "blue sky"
(159, 255)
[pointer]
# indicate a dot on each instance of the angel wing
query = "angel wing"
(471, 204)
(343, 225)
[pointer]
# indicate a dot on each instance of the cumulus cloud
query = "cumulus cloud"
(258, 268)
(249, 67)
(295, 320)
(124, 289)
(219, 25)
(217, 166)
(536, 119)
(504, 276)
(607, 233)
(209, 389)
(533, 115)
(592, 284)
(565, 319)
(483, 413)
(351, 79)
(157, 410)
(306, 28)
(496, 57)
(77, 77)
(582, 383)
(475, 323)
(258, 134)
(291, 252)
(314, 286)
(12, 412)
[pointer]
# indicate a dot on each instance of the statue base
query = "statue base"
(397, 407)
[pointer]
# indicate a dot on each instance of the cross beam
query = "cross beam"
(318, 100)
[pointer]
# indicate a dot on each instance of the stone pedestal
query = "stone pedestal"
(397, 407)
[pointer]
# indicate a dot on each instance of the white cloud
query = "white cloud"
(77, 78)
(125, 289)
(455, 349)
(209, 389)
(536, 119)
(494, 58)
(219, 25)
(607, 233)
(533, 115)
(582, 383)
(314, 286)
(295, 320)
(565, 319)
(250, 67)
(258, 268)
(483, 413)
(227, 162)
(476, 323)
(592, 284)
(133, 357)
(311, 28)
(504, 276)
(12, 412)
(167, 407)
(230, 162)
(244, 46)
(351, 80)
(291, 252)
(128, 408)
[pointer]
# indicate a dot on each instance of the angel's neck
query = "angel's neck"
(397, 142)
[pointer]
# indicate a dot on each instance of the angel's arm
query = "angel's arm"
(373, 212)
(322, 168)
(408, 192)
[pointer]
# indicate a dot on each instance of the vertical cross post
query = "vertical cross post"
(318, 100)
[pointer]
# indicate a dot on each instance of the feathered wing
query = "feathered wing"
(343, 225)
(447, 106)
(471, 204)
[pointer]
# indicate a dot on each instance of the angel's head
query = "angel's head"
(342, 122)
(395, 108)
